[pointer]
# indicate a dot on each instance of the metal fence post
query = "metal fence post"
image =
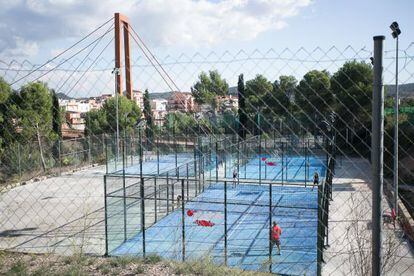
(283, 157)
(225, 223)
(320, 233)
(168, 196)
(142, 215)
(124, 191)
(377, 156)
(89, 150)
(270, 227)
(182, 220)
(217, 161)
(106, 216)
(155, 199)
(19, 161)
(158, 156)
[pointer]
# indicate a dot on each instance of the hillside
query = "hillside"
(405, 90)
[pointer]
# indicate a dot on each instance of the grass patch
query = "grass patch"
(139, 269)
(18, 269)
(152, 259)
(208, 268)
(123, 262)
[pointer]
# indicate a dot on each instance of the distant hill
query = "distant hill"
(233, 90)
(404, 90)
(160, 95)
(63, 96)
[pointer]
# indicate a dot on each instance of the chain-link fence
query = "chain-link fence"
(259, 137)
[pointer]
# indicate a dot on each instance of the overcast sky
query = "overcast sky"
(37, 30)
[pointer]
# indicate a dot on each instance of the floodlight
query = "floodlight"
(396, 31)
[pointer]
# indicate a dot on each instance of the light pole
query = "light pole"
(395, 34)
(116, 72)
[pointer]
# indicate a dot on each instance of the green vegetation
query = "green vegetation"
(104, 120)
(208, 87)
(15, 264)
(149, 130)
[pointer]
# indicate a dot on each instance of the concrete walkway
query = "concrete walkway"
(63, 215)
(349, 251)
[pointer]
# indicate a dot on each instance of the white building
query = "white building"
(159, 110)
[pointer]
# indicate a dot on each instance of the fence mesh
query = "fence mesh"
(210, 174)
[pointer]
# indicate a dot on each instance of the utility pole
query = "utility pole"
(395, 34)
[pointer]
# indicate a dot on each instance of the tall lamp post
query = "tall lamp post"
(116, 72)
(395, 34)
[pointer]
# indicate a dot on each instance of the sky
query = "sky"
(38, 30)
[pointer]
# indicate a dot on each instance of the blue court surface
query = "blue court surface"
(288, 168)
(294, 208)
(154, 165)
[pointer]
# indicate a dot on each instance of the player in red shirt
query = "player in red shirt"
(275, 236)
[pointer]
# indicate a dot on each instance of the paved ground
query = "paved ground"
(349, 227)
(51, 216)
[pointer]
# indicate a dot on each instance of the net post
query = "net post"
(182, 220)
(225, 223)
(106, 216)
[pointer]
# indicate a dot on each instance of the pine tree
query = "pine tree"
(56, 124)
(148, 117)
(242, 108)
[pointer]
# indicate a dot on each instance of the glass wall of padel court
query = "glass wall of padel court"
(218, 199)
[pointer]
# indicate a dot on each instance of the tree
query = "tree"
(129, 115)
(56, 123)
(34, 115)
(242, 108)
(314, 98)
(104, 120)
(148, 117)
(95, 122)
(208, 87)
(5, 93)
(257, 91)
(281, 102)
(352, 87)
(283, 95)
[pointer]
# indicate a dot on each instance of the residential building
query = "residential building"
(181, 101)
(159, 110)
(138, 98)
(227, 103)
(75, 120)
